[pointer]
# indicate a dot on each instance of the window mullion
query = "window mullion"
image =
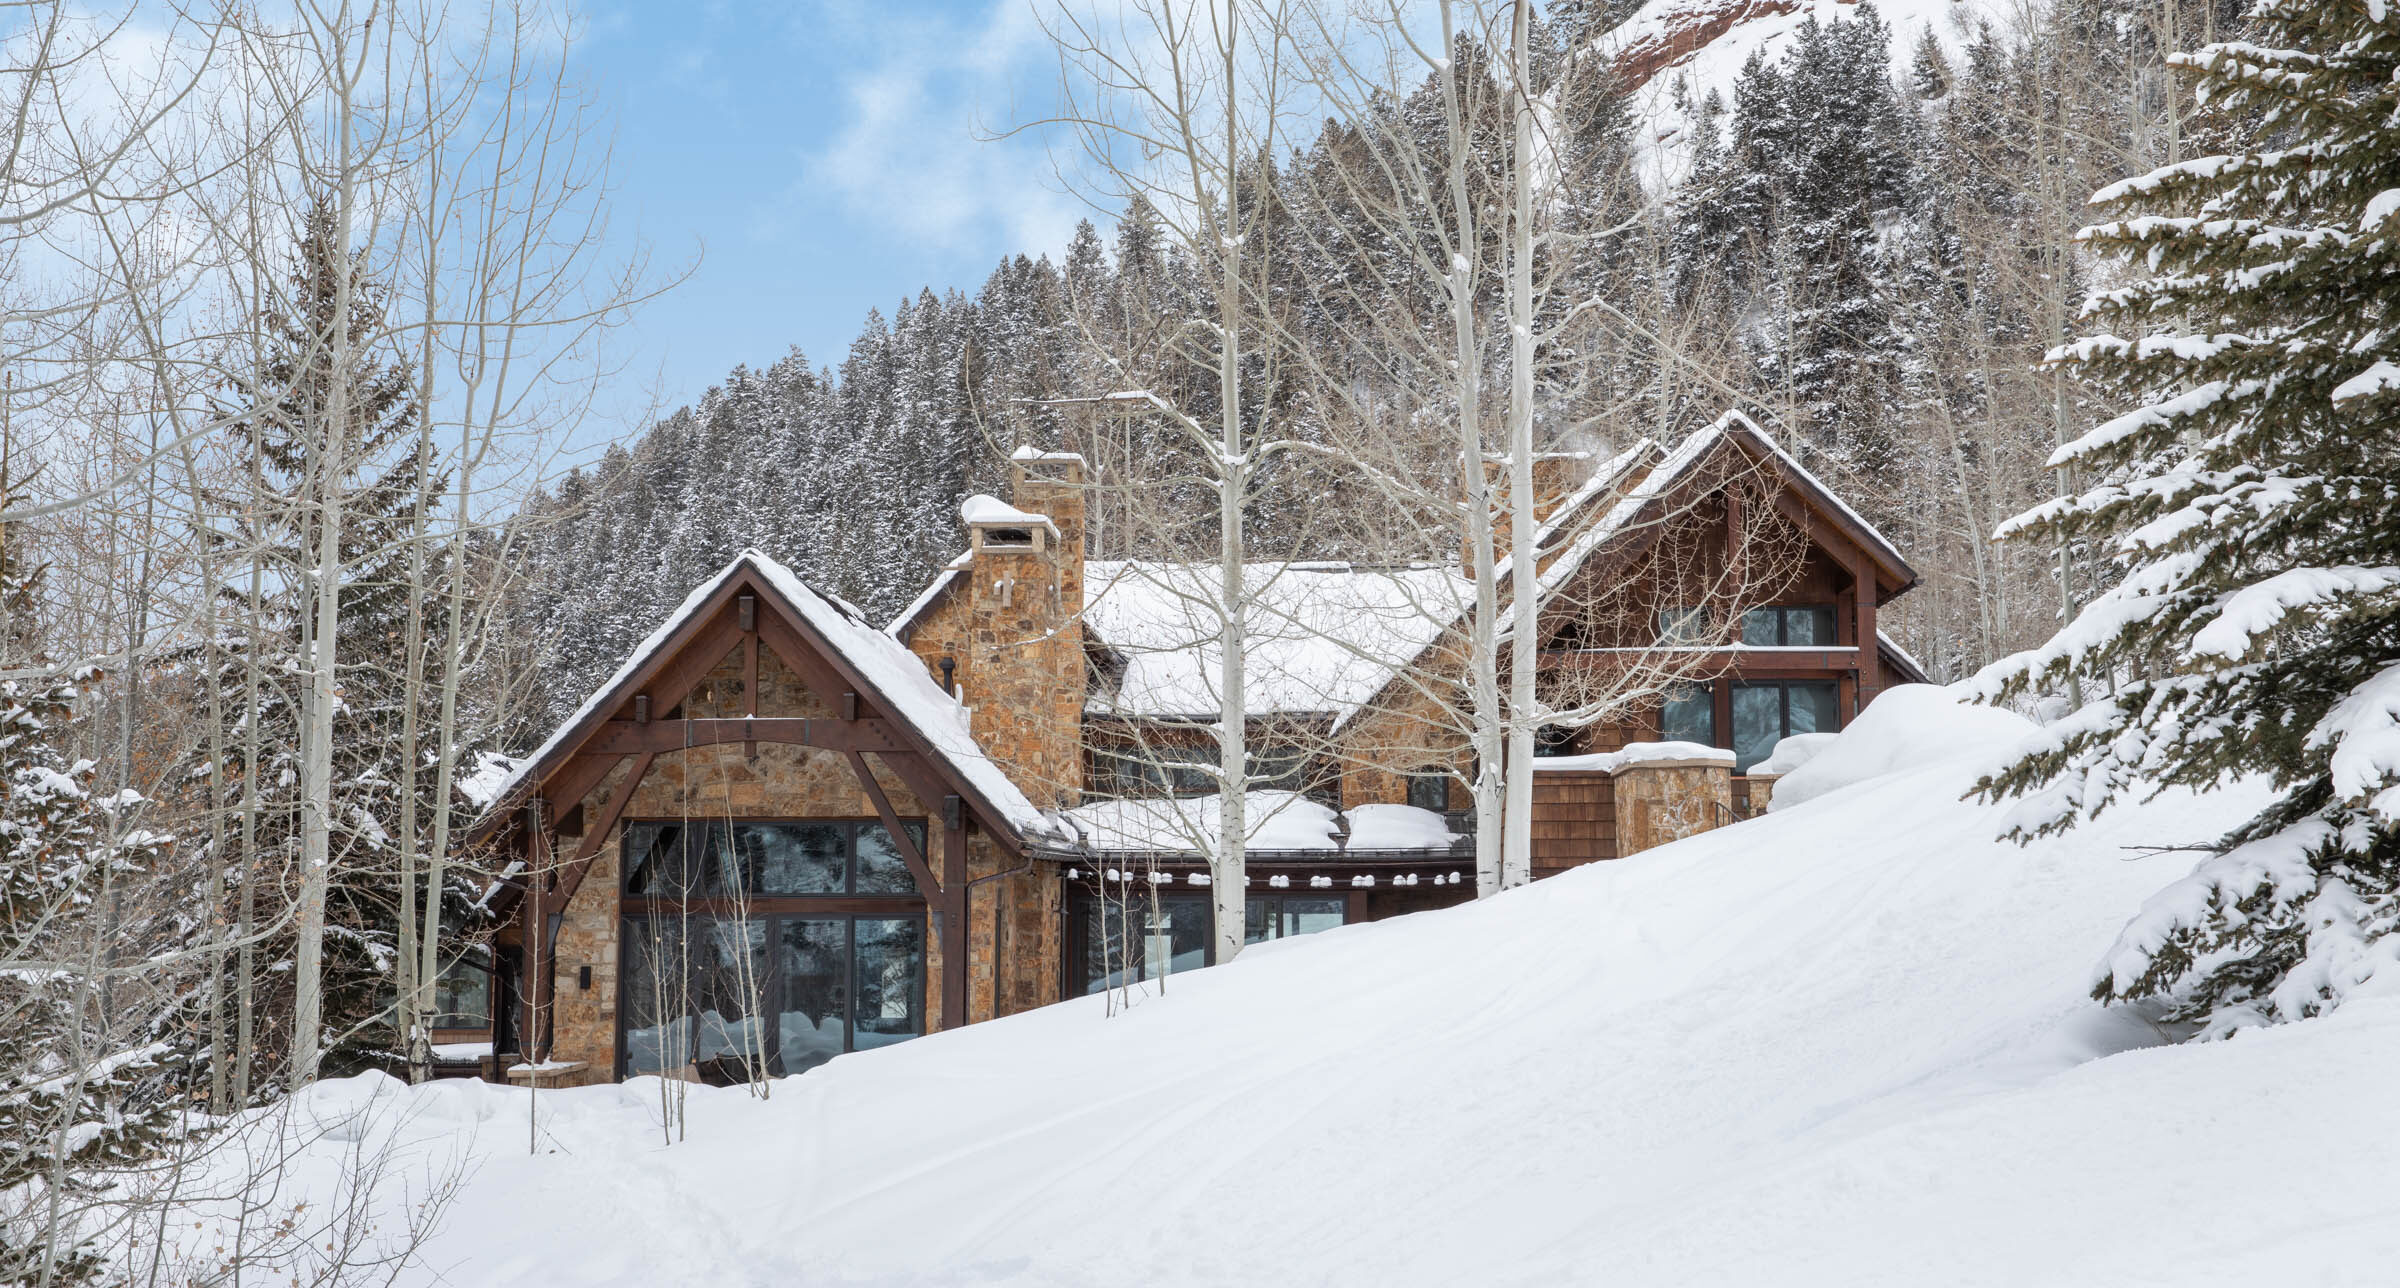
(849, 984)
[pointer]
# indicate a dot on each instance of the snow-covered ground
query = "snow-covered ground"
(1846, 1043)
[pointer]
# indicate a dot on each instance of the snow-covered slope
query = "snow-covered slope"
(1846, 1043)
(1703, 44)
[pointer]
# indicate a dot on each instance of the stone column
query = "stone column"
(1668, 798)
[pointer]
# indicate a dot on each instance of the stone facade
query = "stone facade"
(1012, 629)
(1658, 801)
(1384, 747)
(1012, 914)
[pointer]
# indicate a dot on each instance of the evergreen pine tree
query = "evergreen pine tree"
(379, 480)
(2253, 499)
(1928, 67)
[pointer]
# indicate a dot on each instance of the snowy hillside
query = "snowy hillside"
(1671, 53)
(1847, 1043)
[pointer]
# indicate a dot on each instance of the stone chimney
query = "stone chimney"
(1556, 475)
(1024, 673)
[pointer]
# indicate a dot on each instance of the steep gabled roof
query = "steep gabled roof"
(883, 672)
(1570, 541)
(1733, 430)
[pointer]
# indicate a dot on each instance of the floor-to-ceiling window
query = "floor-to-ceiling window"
(766, 946)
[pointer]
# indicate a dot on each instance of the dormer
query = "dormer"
(996, 527)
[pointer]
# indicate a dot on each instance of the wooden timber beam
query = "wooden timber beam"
(692, 663)
(575, 779)
(625, 737)
(572, 879)
(1832, 657)
(959, 895)
(930, 790)
(909, 853)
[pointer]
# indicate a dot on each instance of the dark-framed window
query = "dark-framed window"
(1279, 767)
(729, 860)
(1789, 626)
(1767, 712)
(462, 996)
(1429, 788)
(1281, 916)
(1554, 740)
(1149, 772)
(1689, 715)
(1687, 625)
(780, 993)
(1113, 942)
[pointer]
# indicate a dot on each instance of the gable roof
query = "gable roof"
(886, 674)
(1673, 469)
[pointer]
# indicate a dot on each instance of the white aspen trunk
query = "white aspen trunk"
(1229, 872)
(316, 765)
(1483, 656)
(245, 917)
(413, 986)
(418, 947)
(1516, 831)
(445, 765)
(324, 578)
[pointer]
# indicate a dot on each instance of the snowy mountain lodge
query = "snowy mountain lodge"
(781, 831)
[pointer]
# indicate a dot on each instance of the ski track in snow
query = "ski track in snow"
(1847, 1043)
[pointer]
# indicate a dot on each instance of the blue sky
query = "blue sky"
(818, 157)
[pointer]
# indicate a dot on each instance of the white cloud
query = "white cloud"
(913, 151)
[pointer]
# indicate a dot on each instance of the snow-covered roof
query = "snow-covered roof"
(1638, 753)
(1272, 820)
(893, 677)
(1326, 638)
(1323, 638)
(983, 510)
(1028, 452)
(486, 782)
(1606, 480)
(934, 590)
(1908, 663)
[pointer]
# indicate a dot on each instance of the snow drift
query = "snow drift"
(1841, 1044)
(1908, 725)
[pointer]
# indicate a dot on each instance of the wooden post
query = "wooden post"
(529, 995)
(954, 919)
(1870, 670)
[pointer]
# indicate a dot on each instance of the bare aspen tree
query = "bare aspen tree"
(1524, 660)
(1179, 105)
(1443, 148)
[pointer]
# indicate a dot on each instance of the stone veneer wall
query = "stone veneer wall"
(1380, 749)
(1013, 627)
(1658, 801)
(1013, 924)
